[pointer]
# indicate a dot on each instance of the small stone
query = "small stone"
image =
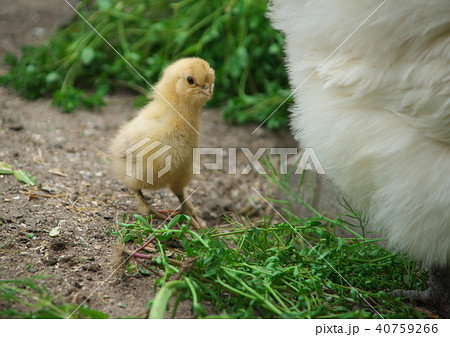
(70, 291)
(105, 215)
(37, 139)
(16, 127)
(65, 258)
(51, 261)
(39, 31)
(93, 267)
(58, 245)
(50, 188)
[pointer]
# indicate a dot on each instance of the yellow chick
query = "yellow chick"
(155, 149)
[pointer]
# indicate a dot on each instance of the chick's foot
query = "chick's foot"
(198, 222)
(169, 212)
(146, 209)
(188, 208)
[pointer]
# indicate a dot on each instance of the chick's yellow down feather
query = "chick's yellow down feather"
(154, 150)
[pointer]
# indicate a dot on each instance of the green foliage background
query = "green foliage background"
(234, 36)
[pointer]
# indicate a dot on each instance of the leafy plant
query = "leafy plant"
(25, 177)
(297, 268)
(234, 36)
(21, 175)
(27, 299)
(5, 168)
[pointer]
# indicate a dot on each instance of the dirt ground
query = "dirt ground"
(67, 153)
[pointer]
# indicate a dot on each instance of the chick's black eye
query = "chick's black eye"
(190, 80)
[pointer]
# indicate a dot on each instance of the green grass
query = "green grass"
(267, 270)
(296, 268)
(78, 68)
(29, 299)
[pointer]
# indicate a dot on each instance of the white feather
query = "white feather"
(377, 112)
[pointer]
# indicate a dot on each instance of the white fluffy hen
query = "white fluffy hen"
(377, 114)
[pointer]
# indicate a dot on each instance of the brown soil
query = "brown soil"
(67, 153)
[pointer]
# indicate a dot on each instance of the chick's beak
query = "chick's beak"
(207, 90)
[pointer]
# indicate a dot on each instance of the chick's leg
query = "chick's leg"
(145, 208)
(188, 208)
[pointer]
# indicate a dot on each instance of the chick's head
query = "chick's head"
(190, 79)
